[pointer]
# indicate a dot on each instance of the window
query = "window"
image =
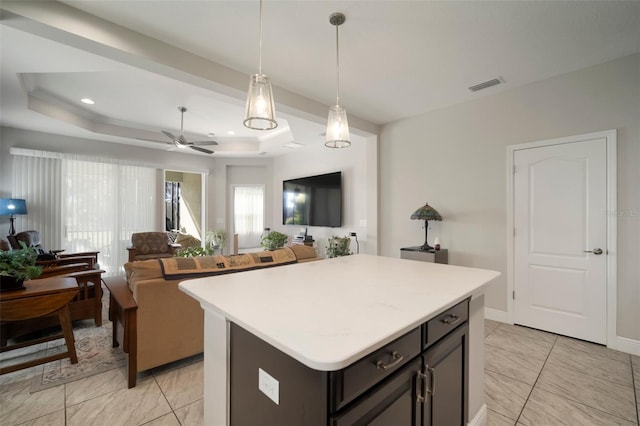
(248, 215)
(80, 205)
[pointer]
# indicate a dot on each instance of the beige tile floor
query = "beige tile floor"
(532, 378)
(535, 378)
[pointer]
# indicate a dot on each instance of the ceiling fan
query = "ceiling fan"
(182, 142)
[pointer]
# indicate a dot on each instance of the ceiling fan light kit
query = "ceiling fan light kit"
(337, 135)
(260, 111)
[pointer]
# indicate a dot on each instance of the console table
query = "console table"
(435, 256)
(40, 298)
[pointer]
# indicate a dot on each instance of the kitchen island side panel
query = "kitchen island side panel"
(296, 395)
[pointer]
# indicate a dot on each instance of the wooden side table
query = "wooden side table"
(123, 315)
(40, 298)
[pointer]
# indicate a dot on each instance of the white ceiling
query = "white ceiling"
(397, 59)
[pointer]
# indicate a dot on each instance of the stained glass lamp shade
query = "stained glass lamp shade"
(426, 213)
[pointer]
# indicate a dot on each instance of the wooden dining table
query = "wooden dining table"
(39, 298)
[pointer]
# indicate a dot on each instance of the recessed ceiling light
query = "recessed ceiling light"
(210, 135)
(87, 101)
(231, 132)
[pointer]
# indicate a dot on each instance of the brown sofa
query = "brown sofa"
(155, 321)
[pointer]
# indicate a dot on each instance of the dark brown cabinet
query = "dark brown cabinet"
(418, 379)
(444, 379)
(393, 403)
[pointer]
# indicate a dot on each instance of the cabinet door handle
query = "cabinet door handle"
(432, 379)
(451, 319)
(396, 359)
(420, 394)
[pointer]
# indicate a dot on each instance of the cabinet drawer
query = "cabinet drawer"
(444, 323)
(349, 383)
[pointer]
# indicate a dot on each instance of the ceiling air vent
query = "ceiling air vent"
(486, 84)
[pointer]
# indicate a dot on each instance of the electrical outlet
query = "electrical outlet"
(269, 386)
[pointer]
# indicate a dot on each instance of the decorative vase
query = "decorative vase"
(10, 283)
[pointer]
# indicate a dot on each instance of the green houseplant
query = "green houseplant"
(274, 240)
(338, 246)
(16, 266)
(195, 251)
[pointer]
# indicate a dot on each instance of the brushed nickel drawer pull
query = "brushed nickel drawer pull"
(396, 359)
(451, 319)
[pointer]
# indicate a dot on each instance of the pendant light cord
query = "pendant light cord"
(337, 67)
(260, 62)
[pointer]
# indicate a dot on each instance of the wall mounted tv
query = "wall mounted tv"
(313, 200)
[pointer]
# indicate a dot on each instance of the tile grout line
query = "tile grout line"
(166, 399)
(537, 378)
(635, 390)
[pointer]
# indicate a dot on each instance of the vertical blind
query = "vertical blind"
(85, 205)
(248, 215)
(37, 180)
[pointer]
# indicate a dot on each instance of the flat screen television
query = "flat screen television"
(313, 200)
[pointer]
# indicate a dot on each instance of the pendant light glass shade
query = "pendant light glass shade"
(260, 111)
(337, 135)
(337, 128)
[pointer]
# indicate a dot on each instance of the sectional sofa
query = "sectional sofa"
(155, 322)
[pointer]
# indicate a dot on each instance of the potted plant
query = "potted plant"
(195, 251)
(338, 246)
(274, 240)
(216, 240)
(16, 266)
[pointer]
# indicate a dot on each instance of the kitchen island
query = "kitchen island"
(323, 325)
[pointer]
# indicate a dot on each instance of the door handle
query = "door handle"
(597, 251)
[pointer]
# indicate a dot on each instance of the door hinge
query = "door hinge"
(514, 169)
(513, 295)
(514, 232)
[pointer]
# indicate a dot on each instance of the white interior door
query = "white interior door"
(560, 267)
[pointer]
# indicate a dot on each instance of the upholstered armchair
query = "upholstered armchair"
(151, 245)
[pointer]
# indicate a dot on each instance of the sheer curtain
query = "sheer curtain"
(104, 204)
(248, 215)
(80, 205)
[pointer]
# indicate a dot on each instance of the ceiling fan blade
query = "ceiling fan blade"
(203, 143)
(173, 138)
(197, 148)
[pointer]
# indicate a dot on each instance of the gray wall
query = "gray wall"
(455, 158)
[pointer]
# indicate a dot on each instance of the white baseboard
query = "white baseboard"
(495, 315)
(480, 419)
(624, 344)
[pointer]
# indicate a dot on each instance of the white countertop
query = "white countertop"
(328, 314)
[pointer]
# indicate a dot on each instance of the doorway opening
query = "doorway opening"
(184, 207)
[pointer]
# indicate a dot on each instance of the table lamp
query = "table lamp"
(426, 213)
(12, 207)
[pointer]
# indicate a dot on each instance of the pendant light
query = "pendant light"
(337, 135)
(260, 112)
